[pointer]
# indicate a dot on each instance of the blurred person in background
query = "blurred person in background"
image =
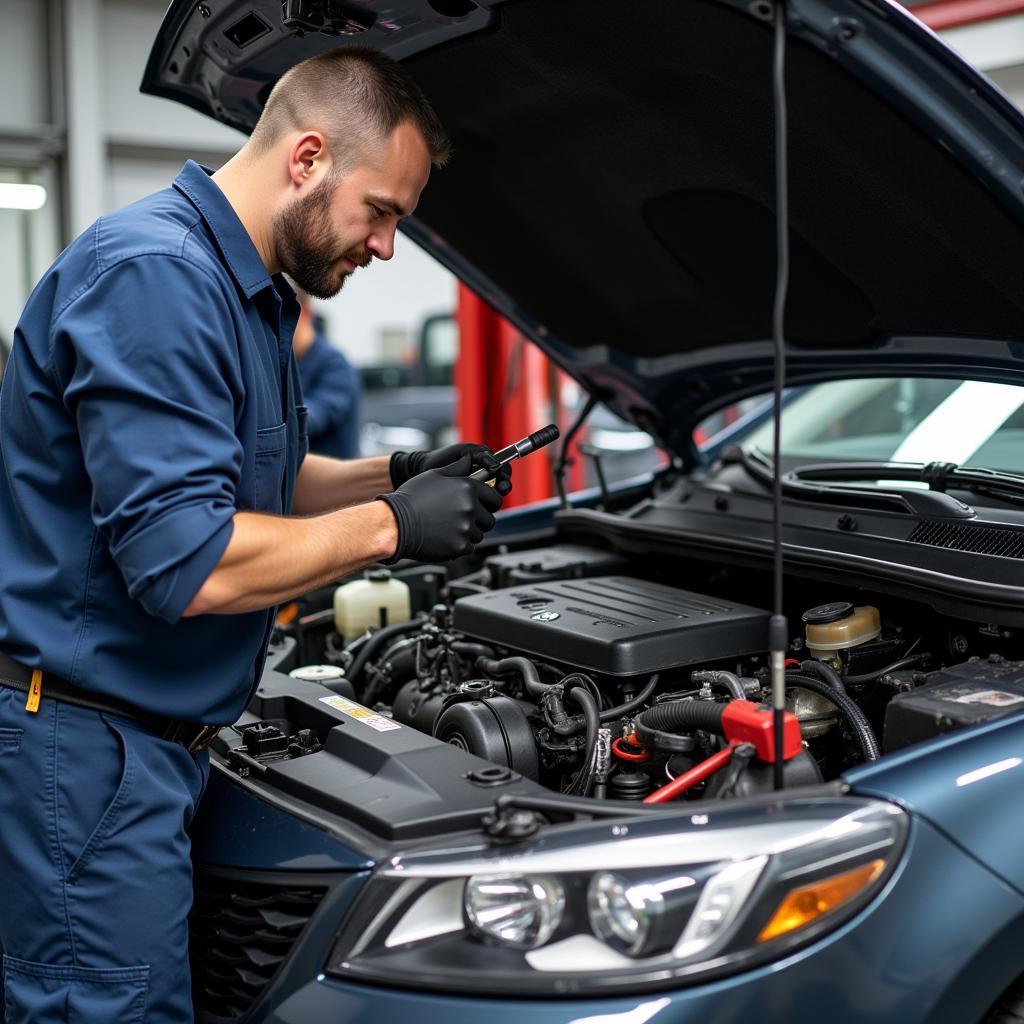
(331, 388)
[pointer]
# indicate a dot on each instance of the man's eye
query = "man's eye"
(377, 211)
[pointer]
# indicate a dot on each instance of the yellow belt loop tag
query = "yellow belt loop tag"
(35, 691)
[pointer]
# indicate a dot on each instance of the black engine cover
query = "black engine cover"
(615, 625)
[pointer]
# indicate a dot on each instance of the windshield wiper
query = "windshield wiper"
(939, 476)
(829, 482)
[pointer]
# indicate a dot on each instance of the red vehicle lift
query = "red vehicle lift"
(507, 388)
(943, 14)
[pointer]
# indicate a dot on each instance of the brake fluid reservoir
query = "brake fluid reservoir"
(376, 600)
(831, 628)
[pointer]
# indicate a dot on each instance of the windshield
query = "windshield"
(904, 419)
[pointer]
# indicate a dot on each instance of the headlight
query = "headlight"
(619, 906)
(520, 911)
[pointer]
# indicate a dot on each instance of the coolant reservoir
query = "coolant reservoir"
(837, 627)
(376, 600)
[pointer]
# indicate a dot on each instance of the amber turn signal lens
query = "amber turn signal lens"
(804, 905)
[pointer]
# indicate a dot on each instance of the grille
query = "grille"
(983, 540)
(240, 933)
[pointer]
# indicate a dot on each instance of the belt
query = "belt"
(193, 735)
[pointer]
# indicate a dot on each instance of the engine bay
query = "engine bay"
(574, 670)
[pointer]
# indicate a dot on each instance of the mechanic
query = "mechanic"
(331, 388)
(155, 505)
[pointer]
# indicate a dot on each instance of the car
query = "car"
(413, 406)
(551, 789)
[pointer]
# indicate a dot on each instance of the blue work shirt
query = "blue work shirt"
(332, 390)
(150, 395)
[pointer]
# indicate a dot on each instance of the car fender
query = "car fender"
(969, 784)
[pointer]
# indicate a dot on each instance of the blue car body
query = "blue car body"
(927, 949)
(936, 945)
(943, 938)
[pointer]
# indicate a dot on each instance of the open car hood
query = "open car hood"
(612, 185)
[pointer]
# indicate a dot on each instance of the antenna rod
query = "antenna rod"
(778, 630)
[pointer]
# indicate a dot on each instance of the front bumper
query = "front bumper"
(939, 945)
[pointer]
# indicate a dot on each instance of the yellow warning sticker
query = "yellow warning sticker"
(361, 714)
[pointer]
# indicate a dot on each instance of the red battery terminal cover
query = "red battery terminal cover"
(746, 722)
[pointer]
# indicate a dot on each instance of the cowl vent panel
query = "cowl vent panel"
(980, 540)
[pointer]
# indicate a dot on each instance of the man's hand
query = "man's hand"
(406, 465)
(441, 513)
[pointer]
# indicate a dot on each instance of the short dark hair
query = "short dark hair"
(356, 96)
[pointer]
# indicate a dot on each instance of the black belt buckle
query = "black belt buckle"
(202, 739)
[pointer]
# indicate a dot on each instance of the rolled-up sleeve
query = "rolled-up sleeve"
(148, 363)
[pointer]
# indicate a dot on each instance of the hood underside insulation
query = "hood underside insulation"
(613, 173)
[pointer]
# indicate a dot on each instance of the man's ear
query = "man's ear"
(307, 158)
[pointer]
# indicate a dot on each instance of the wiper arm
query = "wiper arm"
(939, 476)
(827, 482)
(994, 483)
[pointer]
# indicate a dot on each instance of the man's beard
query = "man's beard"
(307, 247)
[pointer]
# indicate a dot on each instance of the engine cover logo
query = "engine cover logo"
(545, 616)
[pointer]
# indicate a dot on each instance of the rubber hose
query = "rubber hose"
(728, 681)
(377, 641)
(582, 679)
(656, 726)
(633, 703)
(403, 668)
(861, 727)
(870, 677)
(523, 666)
(826, 673)
(352, 647)
(585, 699)
(468, 649)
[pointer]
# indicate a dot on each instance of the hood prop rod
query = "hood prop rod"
(563, 459)
(778, 628)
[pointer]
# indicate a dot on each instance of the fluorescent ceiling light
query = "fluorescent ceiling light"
(21, 197)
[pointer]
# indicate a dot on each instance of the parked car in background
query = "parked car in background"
(412, 405)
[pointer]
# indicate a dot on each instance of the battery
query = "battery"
(954, 697)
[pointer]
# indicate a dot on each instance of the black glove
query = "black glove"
(441, 513)
(405, 465)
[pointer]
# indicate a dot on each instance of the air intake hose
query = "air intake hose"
(523, 666)
(657, 727)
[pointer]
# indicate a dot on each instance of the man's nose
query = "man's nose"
(382, 244)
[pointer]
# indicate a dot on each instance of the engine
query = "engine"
(564, 666)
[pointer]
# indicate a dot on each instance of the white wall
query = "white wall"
(24, 80)
(28, 240)
(127, 30)
(1011, 81)
(392, 296)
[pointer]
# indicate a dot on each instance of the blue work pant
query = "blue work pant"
(95, 877)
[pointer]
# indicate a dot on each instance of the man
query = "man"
(331, 389)
(151, 446)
